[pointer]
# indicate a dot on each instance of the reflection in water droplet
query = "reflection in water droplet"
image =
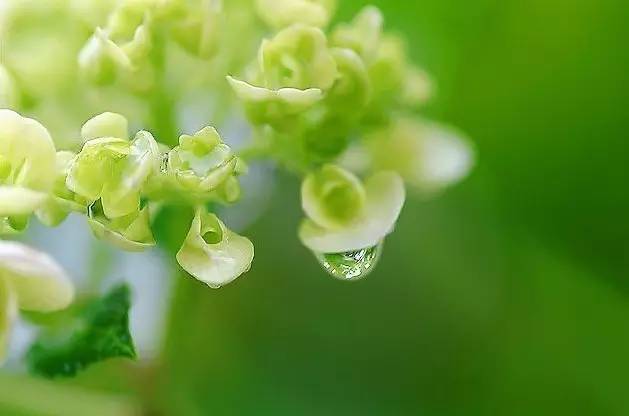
(351, 265)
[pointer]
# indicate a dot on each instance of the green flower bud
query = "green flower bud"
(332, 197)
(101, 59)
(344, 215)
(199, 32)
(295, 69)
(429, 156)
(351, 92)
(113, 169)
(27, 164)
(418, 88)
(212, 253)
(201, 165)
(131, 232)
(297, 57)
(387, 71)
(282, 13)
(362, 35)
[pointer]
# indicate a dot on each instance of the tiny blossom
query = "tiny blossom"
(29, 280)
(314, 96)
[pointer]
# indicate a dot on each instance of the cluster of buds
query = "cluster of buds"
(335, 105)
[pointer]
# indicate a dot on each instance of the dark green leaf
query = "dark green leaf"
(98, 331)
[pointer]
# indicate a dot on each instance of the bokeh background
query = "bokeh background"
(507, 295)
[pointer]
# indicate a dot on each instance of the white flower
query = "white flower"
(29, 280)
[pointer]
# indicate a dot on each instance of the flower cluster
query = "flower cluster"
(334, 105)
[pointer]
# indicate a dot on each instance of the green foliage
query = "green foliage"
(99, 330)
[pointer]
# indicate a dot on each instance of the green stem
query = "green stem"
(162, 101)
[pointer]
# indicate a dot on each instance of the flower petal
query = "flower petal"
(40, 284)
(385, 198)
(212, 253)
(16, 200)
(105, 125)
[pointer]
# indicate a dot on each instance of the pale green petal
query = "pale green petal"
(446, 158)
(282, 13)
(94, 164)
(212, 253)
(40, 284)
(27, 151)
(16, 200)
(297, 57)
(121, 193)
(429, 156)
(199, 33)
(131, 233)
(332, 197)
(105, 125)
(385, 198)
(101, 59)
(361, 35)
(8, 313)
(271, 106)
(352, 89)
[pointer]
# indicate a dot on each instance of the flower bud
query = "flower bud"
(212, 253)
(346, 215)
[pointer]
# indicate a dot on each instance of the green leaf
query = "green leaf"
(98, 331)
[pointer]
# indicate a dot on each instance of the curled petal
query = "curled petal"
(121, 193)
(27, 152)
(130, 233)
(385, 197)
(212, 253)
(38, 281)
(93, 166)
(264, 105)
(332, 197)
(297, 57)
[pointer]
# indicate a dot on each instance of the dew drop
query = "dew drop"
(351, 265)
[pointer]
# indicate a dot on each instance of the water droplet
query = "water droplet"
(351, 265)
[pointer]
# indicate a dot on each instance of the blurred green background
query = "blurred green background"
(508, 295)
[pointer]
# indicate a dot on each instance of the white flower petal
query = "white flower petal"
(16, 200)
(446, 158)
(40, 284)
(215, 264)
(385, 198)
